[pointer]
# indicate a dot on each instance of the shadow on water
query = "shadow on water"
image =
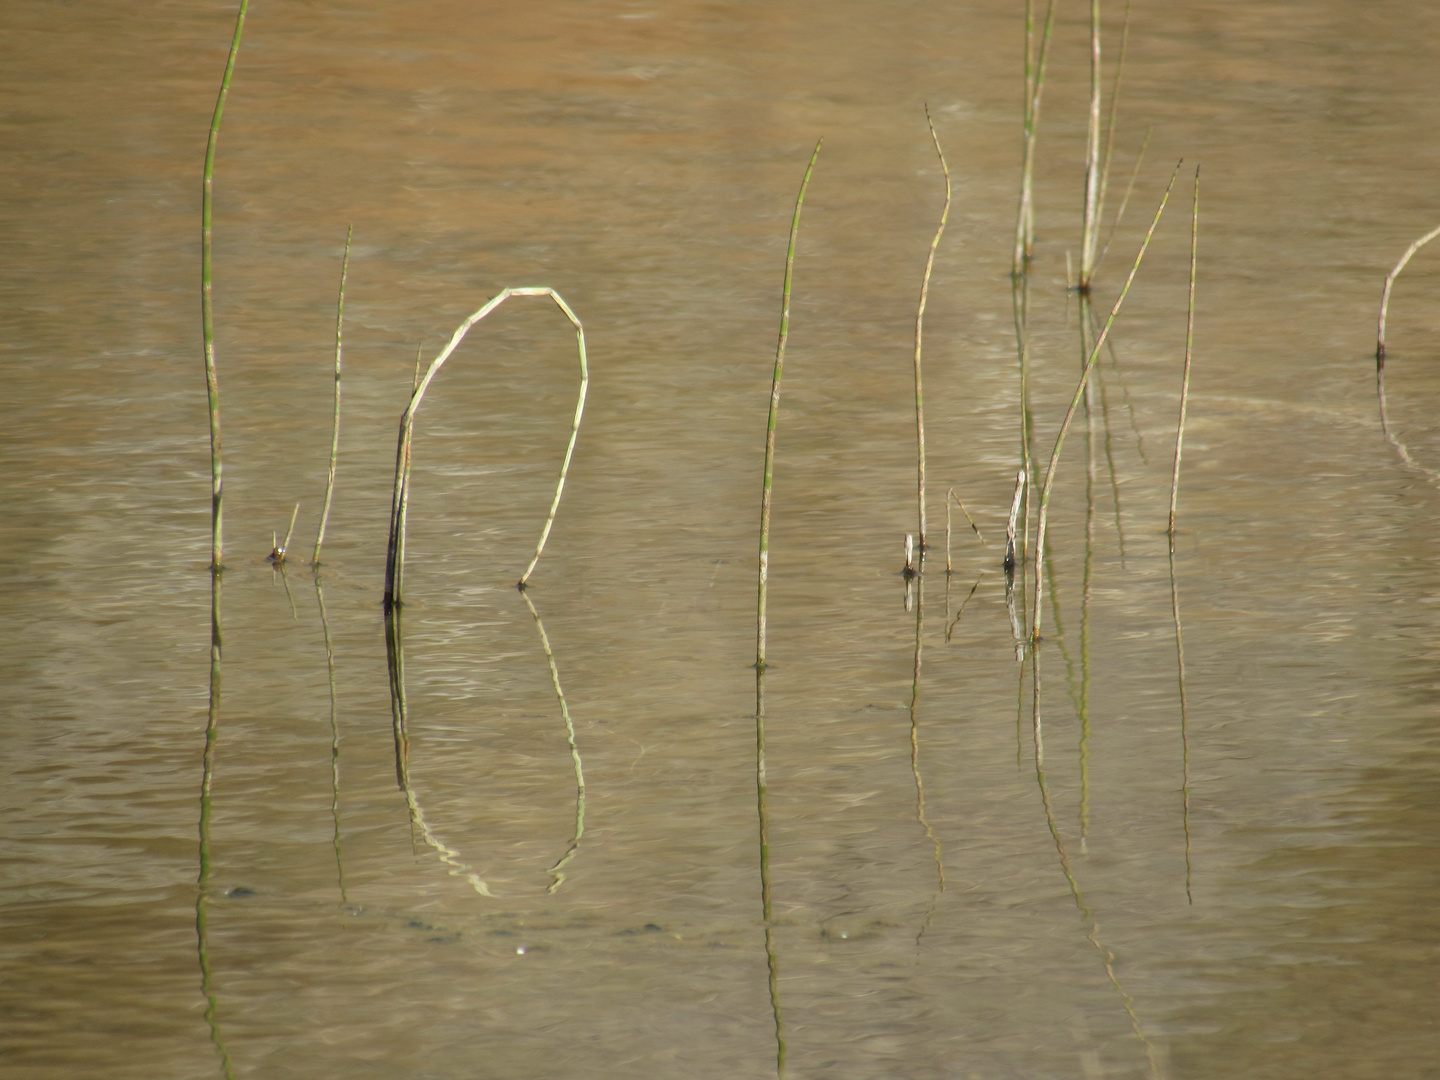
(400, 721)
(202, 914)
(556, 871)
(1092, 926)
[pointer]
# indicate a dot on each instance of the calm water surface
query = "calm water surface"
(941, 907)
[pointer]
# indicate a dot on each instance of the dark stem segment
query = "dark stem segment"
(335, 429)
(207, 315)
(1075, 404)
(919, 334)
(774, 416)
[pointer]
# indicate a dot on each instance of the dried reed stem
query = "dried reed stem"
(1075, 404)
(335, 429)
(774, 416)
(207, 315)
(1011, 524)
(950, 496)
(919, 333)
(1189, 342)
(400, 498)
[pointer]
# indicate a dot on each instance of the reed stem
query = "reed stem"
(1185, 380)
(1075, 404)
(774, 416)
(1380, 345)
(919, 334)
(335, 429)
(1034, 87)
(1092, 157)
(207, 315)
(400, 497)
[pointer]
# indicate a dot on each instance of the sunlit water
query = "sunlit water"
(643, 159)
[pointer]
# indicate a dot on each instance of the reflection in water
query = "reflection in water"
(400, 719)
(202, 920)
(915, 754)
(1082, 702)
(952, 623)
(574, 847)
(1092, 932)
(334, 737)
(1184, 719)
(771, 958)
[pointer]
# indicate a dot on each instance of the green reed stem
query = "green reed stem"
(1090, 225)
(1189, 343)
(1034, 87)
(207, 315)
(1075, 404)
(400, 498)
(335, 429)
(919, 334)
(775, 415)
(1110, 127)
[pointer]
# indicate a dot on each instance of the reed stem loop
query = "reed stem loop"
(400, 497)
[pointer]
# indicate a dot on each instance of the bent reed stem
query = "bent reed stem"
(207, 314)
(1049, 482)
(774, 416)
(400, 497)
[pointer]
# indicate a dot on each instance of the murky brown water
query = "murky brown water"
(641, 159)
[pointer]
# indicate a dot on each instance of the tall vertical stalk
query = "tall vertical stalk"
(1091, 222)
(1074, 404)
(335, 429)
(207, 315)
(1189, 343)
(775, 415)
(1034, 86)
(919, 334)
